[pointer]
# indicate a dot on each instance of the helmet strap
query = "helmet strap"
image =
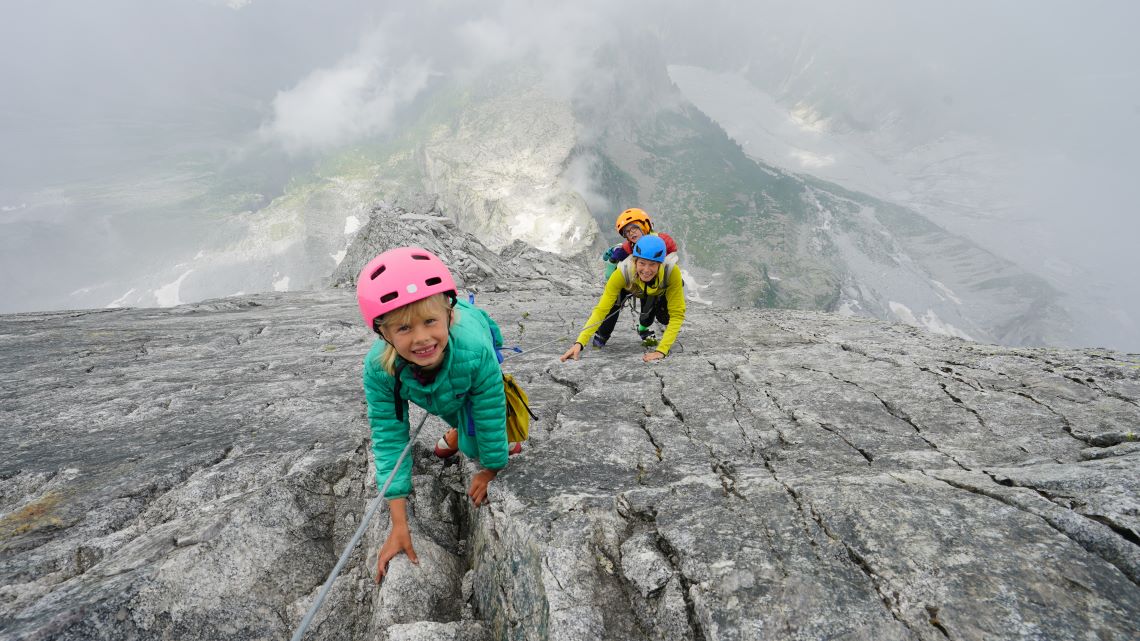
(383, 338)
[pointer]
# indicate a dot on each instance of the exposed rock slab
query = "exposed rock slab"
(194, 473)
(418, 223)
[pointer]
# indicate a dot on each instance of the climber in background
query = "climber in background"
(441, 354)
(631, 224)
(652, 275)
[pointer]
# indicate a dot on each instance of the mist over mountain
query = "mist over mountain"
(1014, 125)
(161, 172)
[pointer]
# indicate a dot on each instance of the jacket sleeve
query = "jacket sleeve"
(614, 286)
(489, 411)
(670, 244)
(675, 302)
(389, 436)
(619, 253)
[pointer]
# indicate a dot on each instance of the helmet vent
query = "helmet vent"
(390, 296)
(379, 270)
(420, 257)
(434, 280)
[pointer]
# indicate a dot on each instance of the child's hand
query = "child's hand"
(573, 352)
(478, 489)
(652, 356)
(399, 540)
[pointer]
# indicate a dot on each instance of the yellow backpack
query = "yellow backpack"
(518, 410)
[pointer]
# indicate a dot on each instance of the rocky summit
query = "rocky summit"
(194, 473)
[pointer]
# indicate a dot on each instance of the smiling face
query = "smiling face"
(418, 332)
(632, 233)
(646, 269)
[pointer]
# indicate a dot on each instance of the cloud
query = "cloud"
(356, 98)
(360, 95)
(1054, 83)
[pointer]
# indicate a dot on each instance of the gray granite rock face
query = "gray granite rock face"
(416, 221)
(194, 473)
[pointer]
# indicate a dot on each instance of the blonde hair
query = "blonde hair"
(438, 304)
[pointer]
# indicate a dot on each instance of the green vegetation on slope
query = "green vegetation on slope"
(733, 214)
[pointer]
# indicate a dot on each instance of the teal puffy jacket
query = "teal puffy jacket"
(467, 391)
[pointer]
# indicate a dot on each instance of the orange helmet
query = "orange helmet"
(634, 216)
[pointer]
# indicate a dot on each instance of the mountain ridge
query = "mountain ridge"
(777, 239)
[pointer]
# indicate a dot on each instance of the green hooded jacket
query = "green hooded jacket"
(467, 392)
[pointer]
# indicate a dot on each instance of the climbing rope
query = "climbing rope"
(372, 509)
(519, 352)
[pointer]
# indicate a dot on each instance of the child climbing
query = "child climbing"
(653, 276)
(631, 224)
(440, 354)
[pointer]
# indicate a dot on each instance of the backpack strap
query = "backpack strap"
(469, 409)
(670, 262)
(497, 349)
(396, 391)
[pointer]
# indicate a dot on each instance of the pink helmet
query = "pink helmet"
(398, 277)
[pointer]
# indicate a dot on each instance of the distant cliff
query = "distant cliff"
(510, 160)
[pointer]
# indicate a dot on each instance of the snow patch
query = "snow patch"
(946, 290)
(693, 288)
(281, 284)
(903, 313)
(167, 295)
(930, 321)
(352, 224)
(122, 300)
(339, 256)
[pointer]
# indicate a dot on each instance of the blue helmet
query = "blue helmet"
(650, 248)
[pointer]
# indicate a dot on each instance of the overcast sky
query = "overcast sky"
(1057, 71)
(96, 91)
